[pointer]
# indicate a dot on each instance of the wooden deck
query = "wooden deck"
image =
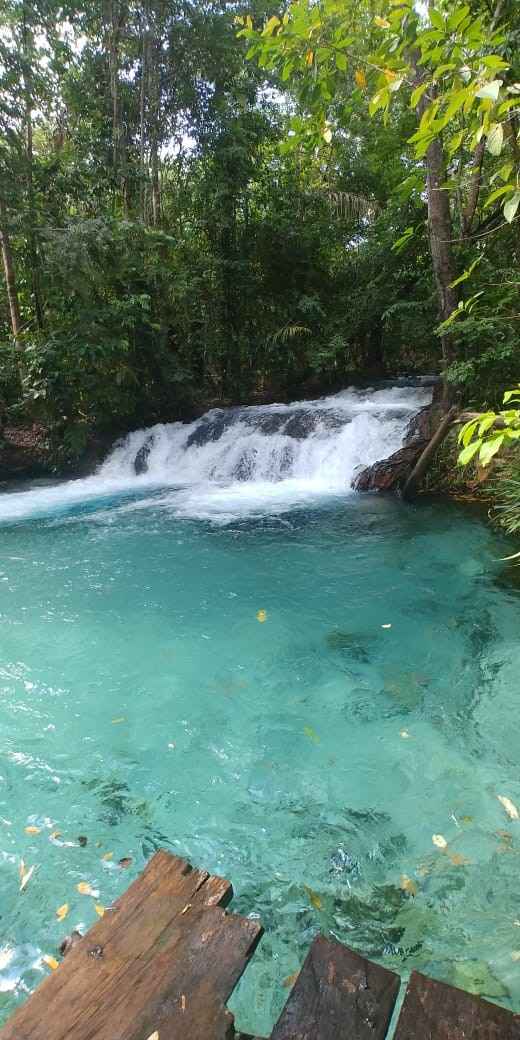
(162, 964)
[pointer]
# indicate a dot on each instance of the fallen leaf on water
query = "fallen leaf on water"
(515, 955)
(509, 807)
(125, 862)
(116, 721)
(517, 923)
(100, 910)
(51, 962)
(62, 912)
(505, 835)
(439, 841)
(107, 855)
(261, 616)
(33, 830)
(466, 819)
(386, 626)
(21, 869)
(85, 889)
(408, 885)
(404, 734)
(314, 898)
(290, 980)
(54, 835)
(172, 746)
(458, 859)
(311, 734)
(26, 876)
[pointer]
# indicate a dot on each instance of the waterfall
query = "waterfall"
(241, 460)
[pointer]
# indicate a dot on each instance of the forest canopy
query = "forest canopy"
(206, 202)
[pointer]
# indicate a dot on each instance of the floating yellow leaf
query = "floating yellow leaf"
(261, 616)
(54, 835)
(439, 841)
(458, 859)
(290, 980)
(466, 819)
(25, 876)
(509, 807)
(62, 911)
(33, 830)
(311, 734)
(85, 889)
(515, 955)
(360, 78)
(116, 721)
(408, 885)
(314, 898)
(100, 910)
(51, 962)
(107, 855)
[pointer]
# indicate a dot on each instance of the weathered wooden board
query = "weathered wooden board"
(338, 996)
(435, 1011)
(165, 959)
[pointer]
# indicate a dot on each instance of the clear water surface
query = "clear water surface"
(309, 756)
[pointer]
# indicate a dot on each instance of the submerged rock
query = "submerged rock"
(476, 977)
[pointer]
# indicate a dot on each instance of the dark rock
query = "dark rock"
(141, 459)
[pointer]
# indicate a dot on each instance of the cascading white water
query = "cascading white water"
(242, 460)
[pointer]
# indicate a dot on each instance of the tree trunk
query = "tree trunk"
(34, 260)
(10, 277)
(154, 133)
(114, 16)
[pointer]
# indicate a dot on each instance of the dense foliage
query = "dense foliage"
(182, 225)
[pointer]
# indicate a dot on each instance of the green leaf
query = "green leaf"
(490, 448)
(486, 423)
(458, 16)
(417, 94)
(467, 454)
(511, 206)
(437, 20)
(492, 61)
(456, 142)
(467, 432)
(341, 61)
(490, 90)
(495, 139)
(504, 190)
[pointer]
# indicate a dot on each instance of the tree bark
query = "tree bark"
(34, 260)
(154, 133)
(114, 17)
(10, 277)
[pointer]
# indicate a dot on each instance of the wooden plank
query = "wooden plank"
(435, 1011)
(338, 995)
(166, 958)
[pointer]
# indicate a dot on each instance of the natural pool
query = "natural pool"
(309, 756)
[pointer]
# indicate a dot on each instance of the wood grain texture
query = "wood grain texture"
(166, 958)
(435, 1011)
(338, 996)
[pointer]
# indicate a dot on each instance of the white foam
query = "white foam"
(241, 461)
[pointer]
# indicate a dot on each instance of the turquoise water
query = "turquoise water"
(309, 757)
